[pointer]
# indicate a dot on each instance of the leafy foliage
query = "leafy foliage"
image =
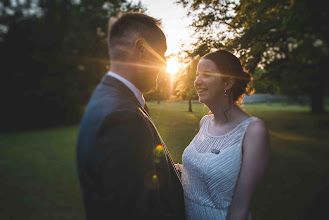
(53, 54)
(289, 39)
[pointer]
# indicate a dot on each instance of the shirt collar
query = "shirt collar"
(131, 86)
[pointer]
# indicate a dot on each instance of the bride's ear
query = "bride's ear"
(229, 83)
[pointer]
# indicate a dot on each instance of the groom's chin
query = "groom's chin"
(150, 89)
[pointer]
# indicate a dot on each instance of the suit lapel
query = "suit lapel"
(113, 82)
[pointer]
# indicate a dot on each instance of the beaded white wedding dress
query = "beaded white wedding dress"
(211, 166)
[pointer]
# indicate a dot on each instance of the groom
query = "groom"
(124, 168)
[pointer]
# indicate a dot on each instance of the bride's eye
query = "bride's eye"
(205, 75)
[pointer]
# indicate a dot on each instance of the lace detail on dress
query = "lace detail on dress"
(211, 166)
(207, 143)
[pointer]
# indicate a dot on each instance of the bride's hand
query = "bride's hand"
(179, 167)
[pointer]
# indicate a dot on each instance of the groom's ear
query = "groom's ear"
(139, 47)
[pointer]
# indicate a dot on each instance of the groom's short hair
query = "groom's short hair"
(126, 28)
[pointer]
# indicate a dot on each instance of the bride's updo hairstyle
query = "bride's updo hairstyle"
(229, 66)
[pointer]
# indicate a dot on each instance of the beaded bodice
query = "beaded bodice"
(211, 165)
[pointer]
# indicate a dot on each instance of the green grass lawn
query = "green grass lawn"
(38, 178)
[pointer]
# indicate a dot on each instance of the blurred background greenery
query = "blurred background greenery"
(53, 53)
(39, 179)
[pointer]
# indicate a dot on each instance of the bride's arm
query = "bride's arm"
(254, 162)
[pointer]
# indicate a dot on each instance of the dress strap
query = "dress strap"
(244, 127)
(205, 121)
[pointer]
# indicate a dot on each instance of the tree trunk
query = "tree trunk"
(317, 98)
(190, 105)
(158, 101)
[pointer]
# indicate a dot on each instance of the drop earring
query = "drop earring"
(225, 94)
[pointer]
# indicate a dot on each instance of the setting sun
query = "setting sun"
(172, 66)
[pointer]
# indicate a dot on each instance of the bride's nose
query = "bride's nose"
(197, 81)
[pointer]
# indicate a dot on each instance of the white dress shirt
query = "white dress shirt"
(131, 86)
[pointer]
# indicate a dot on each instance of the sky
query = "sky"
(174, 22)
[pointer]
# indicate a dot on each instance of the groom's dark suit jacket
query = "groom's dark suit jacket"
(122, 173)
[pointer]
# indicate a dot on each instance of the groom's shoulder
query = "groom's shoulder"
(111, 99)
(106, 101)
(108, 109)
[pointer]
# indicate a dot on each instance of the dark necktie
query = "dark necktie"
(162, 143)
(146, 109)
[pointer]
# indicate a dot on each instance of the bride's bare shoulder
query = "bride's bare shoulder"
(257, 132)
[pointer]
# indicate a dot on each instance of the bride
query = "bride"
(226, 160)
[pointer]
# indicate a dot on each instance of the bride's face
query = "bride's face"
(209, 83)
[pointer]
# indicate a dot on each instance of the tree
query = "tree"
(185, 88)
(288, 39)
(262, 84)
(53, 53)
